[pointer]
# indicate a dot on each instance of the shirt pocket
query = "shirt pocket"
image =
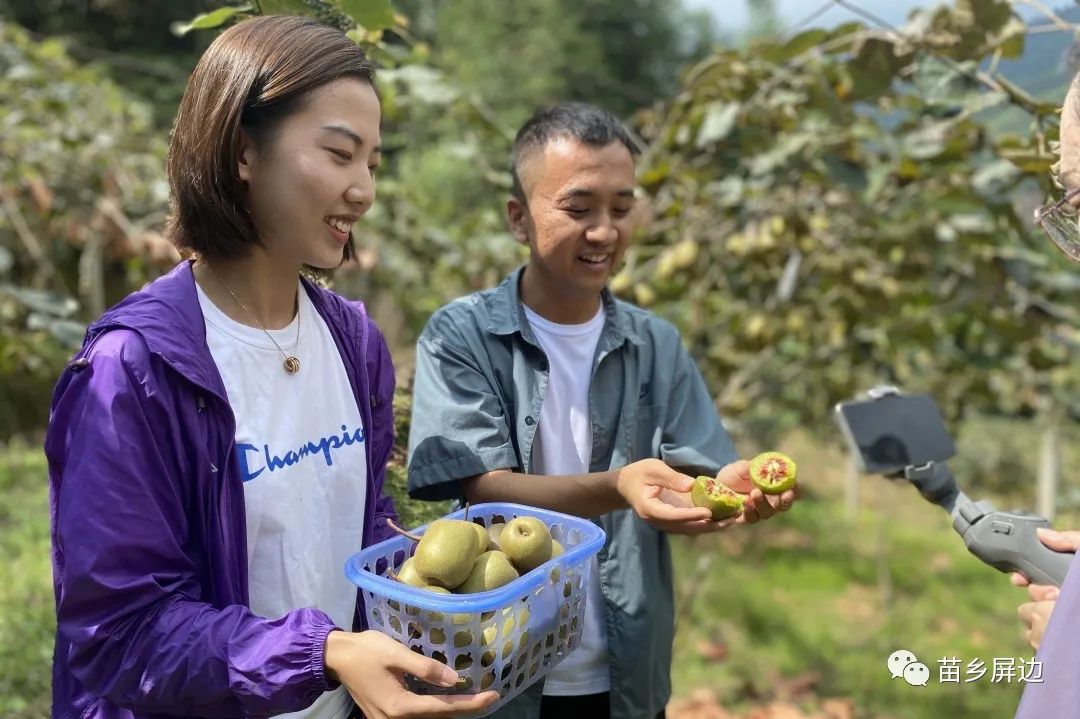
(647, 431)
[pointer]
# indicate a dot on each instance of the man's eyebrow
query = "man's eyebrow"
(576, 192)
(342, 130)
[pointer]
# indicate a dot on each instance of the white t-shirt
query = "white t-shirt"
(301, 450)
(563, 445)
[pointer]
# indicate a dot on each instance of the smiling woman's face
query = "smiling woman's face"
(313, 176)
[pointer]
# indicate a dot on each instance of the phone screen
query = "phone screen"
(896, 432)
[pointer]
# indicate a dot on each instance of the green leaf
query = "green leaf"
(656, 174)
(1031, 162)
(424, 84)
(925, 143)
(1063, 281)
(943, 83)
(719, 121)
(784, 99)
(873, 68)
(972, 223)
(878, 177)
(209, 20)
(780, 154)
(68, 332)
(950, 87)
(995, 178)
(728, 192)
(956, 203)
(1012, 38)
(286, 7)
(988, 15)
(49, 303)
(846, 173)
(847, 30)
(372, 14)
(795, 46)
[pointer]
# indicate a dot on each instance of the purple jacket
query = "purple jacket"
(148, 526)
(1056, 694)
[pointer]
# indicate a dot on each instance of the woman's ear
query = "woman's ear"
(517, 216)
(245, 155)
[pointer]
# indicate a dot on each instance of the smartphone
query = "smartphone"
(893, 431)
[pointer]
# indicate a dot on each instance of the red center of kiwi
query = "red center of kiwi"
(717, 489)
(775, 469)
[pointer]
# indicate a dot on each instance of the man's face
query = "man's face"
(577, 215)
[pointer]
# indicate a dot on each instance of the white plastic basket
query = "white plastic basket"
(505, 639)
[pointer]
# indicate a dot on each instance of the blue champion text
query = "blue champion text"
(254, 461)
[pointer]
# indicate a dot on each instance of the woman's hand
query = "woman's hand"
(372, 667)
(1036, 614)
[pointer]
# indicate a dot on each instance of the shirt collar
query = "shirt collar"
(507, 314)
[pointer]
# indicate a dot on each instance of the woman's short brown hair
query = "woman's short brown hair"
(252, 76)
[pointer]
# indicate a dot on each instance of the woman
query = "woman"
(218, 446)
(1052, 616)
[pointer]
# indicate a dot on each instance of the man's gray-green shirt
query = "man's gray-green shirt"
(480, 381)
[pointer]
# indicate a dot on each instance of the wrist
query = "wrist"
(336, 642)
(616, 479)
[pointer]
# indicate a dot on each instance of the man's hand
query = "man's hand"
(660, 496)
(1036, 613)
(758, 505)
(372, 667)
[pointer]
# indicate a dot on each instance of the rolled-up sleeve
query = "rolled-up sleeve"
(460, 427)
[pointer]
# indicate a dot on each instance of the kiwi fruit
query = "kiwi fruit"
(407, 574)
(494, 531)
(446, 552)
(773, 472)
(491, 570)
(487, 680)
(527, 542)
(461, 557)
(436, 616)
(482, 536)
(717, 497)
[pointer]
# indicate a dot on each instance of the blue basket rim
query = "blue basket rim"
(594, 538)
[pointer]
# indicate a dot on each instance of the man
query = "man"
(1051, 617)
(547, 391)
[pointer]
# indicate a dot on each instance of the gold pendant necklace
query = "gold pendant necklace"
(291, 364)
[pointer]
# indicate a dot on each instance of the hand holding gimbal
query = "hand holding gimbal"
(904, 436)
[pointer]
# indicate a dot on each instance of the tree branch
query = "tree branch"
(28, 238)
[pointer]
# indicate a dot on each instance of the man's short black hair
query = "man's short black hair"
(585, 123)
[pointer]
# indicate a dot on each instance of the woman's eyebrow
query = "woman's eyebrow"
(342, 130)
